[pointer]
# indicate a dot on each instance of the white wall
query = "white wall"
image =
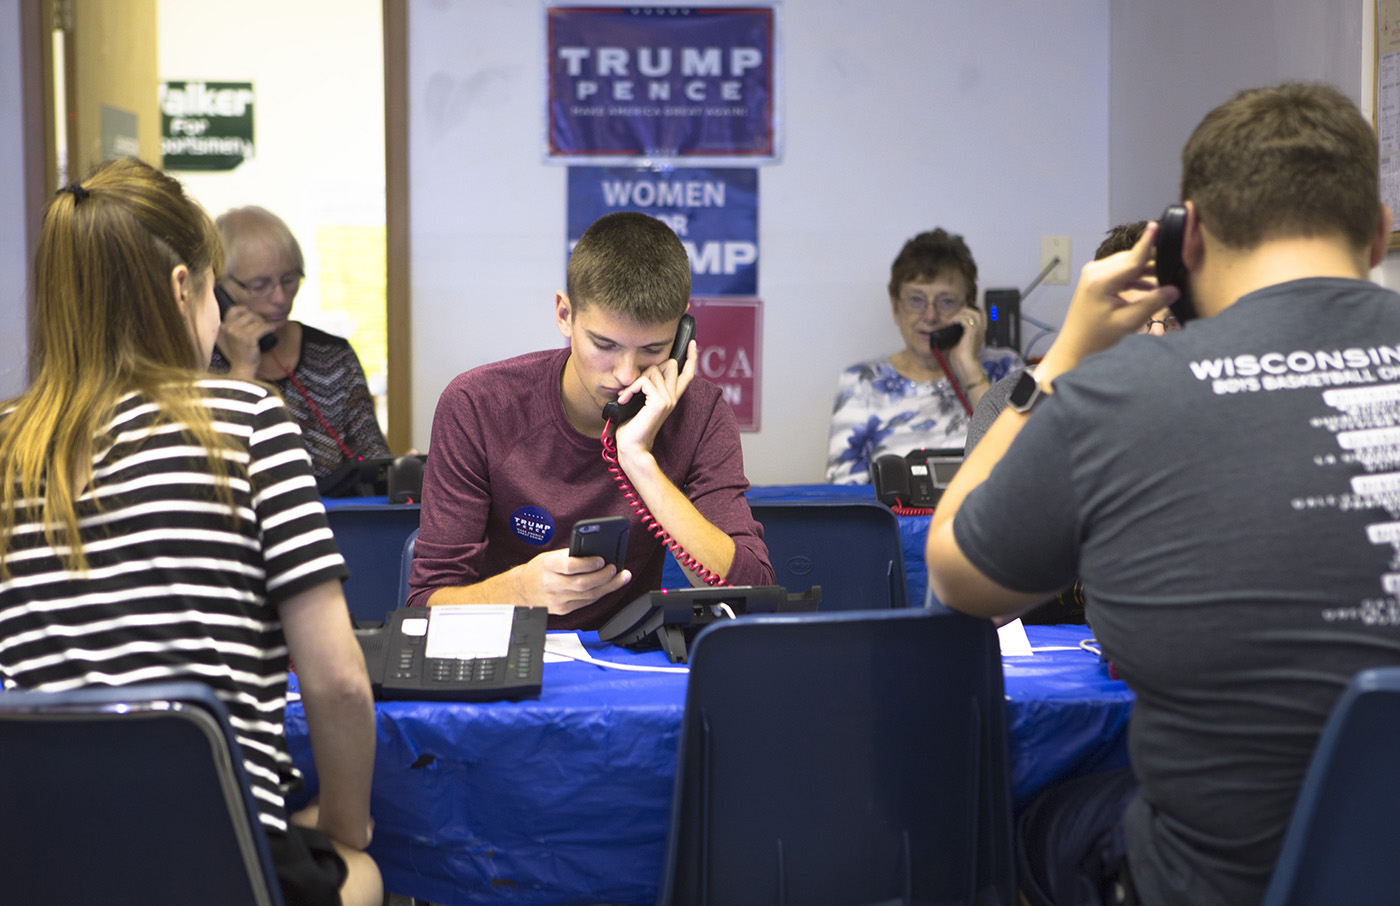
(898, 116)
(317, 68)
(1172, 62)
(14, 266)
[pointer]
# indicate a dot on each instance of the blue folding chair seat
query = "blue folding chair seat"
(842, 758)
(371, 538)
(128, 795)
(851, 548)
(1340, 846)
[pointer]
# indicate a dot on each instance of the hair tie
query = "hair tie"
(79, 193)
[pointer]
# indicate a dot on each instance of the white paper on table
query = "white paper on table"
(563, 646)
(1013, 640)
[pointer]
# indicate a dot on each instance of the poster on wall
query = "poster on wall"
(713, 210)
(729, 336)
(663, 82)
(206, 125)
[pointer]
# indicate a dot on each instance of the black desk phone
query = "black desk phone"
(671, 618)
(915, 480)
(469, 652)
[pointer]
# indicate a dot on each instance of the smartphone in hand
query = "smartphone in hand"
(604, 537)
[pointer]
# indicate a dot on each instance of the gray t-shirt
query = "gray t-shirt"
(1230, 497)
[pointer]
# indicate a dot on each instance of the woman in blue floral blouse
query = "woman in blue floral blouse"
(904, 401)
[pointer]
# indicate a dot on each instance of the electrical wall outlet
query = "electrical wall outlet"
(1052, 247)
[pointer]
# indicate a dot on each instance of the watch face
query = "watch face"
(1025, 393)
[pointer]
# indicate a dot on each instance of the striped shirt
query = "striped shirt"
(178, 585)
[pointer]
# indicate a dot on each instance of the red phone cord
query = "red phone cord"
(634, 501)
(938, 354)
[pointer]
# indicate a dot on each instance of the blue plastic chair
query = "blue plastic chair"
(134, 794)
(842, 758)
(851, 548)
(371, 538)
(406, 565)
(1340, 845)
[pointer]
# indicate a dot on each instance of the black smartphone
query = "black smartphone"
(617, 413)
(1171, 270)
(945, 338)
(604, 537)
(265, 342)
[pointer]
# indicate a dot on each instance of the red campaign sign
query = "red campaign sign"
(729, 335)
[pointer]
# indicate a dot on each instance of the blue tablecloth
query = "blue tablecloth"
(566, 798)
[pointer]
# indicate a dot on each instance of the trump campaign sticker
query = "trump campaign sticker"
(532, 525)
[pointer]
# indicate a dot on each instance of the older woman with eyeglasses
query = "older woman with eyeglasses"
(318, 375)
(906, 401)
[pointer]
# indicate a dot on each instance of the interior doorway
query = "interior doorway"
(314, 76)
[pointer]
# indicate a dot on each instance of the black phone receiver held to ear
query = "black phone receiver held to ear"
(945, 338)
(1171, 270)
(221, 295)
(616, 412)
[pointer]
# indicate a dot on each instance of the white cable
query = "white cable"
(639, 668)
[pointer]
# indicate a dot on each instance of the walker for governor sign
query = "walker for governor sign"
(206, 125)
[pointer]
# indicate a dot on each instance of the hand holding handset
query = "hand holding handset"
(1171, 270)
(265, 342)
(604, 537)
(616, 412)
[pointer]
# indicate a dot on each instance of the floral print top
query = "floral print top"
(879, 411)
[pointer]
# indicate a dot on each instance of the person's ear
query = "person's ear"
(1193, 250)
(563, 314)
(1380, 243)
(181, 285)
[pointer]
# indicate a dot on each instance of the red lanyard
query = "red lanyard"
(315, 409)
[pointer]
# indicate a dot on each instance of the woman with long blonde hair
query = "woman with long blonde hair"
(157, 523)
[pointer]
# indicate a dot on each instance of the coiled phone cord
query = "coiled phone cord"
(957, 388)
(634, 501)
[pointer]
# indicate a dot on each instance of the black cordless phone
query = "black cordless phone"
(265, 342)
(617, 413)
(1171, 270)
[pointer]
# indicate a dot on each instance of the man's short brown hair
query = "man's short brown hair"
(630, 264)
(1292, 160)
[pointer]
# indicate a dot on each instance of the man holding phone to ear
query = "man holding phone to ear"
(1221, 491)
(517, 458)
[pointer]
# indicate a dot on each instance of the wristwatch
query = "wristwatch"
(1026, 394)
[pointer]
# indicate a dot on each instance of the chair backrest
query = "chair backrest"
(842, 758)
(851, 548)
(371, 538)
(126, 795)
(1339, 847)
(406, 566)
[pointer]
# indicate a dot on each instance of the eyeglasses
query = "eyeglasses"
(263, 286)
(918, 302)
(1168, 324)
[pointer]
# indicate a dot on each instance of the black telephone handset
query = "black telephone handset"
(945, 338)
(265, 342)
(1171, 270)
(617, 413)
